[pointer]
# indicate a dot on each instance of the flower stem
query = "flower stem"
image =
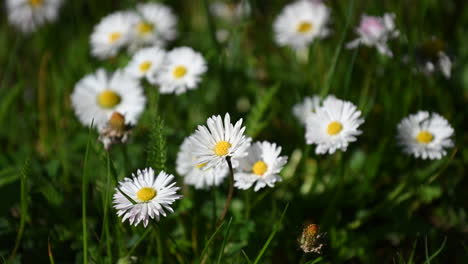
(231, 190)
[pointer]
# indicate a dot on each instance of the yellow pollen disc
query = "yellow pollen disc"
(35, 3)
(304, 27)
(114, 36)
(145, 66)
(179, 71)
(144, 28)
(259, 168)
(334, 128)
(424, 137)
(108, 99)
(146, 193)
(201, 165)
(222, 148)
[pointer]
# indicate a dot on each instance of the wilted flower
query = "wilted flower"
(116, 131)
(431, 56)
(376, 31)
(230, 11)
(28, 15)
(425, 135)
(311, 239)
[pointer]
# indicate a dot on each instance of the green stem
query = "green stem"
(231, 191)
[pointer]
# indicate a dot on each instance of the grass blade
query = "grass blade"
(272, 235)
(224, 241)
(84, 183)
(209, 242)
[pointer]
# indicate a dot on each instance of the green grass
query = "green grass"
(373, 203)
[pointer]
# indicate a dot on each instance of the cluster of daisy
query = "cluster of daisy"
(28, 15)
(303, 21)
(205, 156)
(332, 124)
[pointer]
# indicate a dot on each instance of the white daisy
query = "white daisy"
(98, 95)
(302, 110)
(152, 196)
(333, 125)
(195, 174)
(182, 71)
(28, 15)
(112, 33)
(261, 166)
(146, 62)
(376, 31)
(425, 135)
(215, 142)
(300, 23)
(156, 26)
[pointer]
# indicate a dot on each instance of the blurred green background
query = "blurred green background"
(374, 203)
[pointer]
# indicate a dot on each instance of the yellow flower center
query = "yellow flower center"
(179, 71)
(108, 99)
(35, 3)
(144, 28)
(144, 67)
(424, 137)
(222, 148)
(201, 165)
(259, 168)
(334, 128)
(304, 27)
(146, 193)
(114, 36)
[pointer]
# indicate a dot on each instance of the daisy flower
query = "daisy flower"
(153, 195)
(230, 11)
(98, 95)
(112, 33)
(302, 110)
(116, 131)
(193, 173)
(28, 15)
(333, 125)
(376, 31)
(431, 57)
(300, 23)
(155, 26)
(215, 142)
(182, 71)
(146, 63)
(261, 166)
(425, 135)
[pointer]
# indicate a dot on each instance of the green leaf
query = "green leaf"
(256, 120)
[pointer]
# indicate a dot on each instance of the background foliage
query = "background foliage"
(373, 202)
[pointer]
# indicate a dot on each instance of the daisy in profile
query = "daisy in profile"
(333, 125)
(28, 15)
(261, 166)
(156, 26)
(426, 135)
(116, 131)
(182, 71)
(302, 110)
(432, 56)
(193, 173)
(146, 62)
(215, 142)
(112, 33)
(375, 32)
(300, 23)
(98, 95)
(152, 195)
(230, 12)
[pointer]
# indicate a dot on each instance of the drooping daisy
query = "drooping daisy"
(432, 56)
(98, 95)
(260, 167)
(182, 71)
(300, 23)
(215, 142)
(156, 26)
(193, 173)
(112, 33)
(28, 15)
(426, 135)
(376, 31)
(302, 110)
(116, 131)
(230, 12)
(333, 125)
(146, 63)
(153, 196)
